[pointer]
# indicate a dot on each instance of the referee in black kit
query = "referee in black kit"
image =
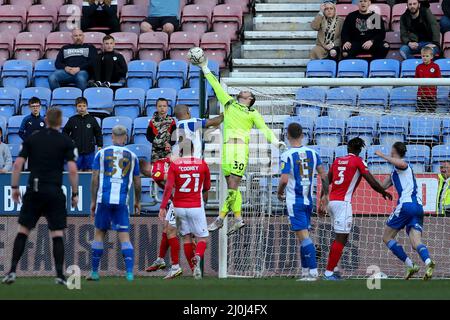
(46, 151)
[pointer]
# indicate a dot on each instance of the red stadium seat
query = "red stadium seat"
(126, 44)
(196, 18)
(142, 3)
(55, 41)
(69, 17)
(95, 38)
(206, 3)
(242, 3)
(446, 45)
(6, 46)
(384, 10)
(153, 46)
(342, 10)
(227, 19)
(23, 3)
(12, 18)
(436, 9)
(56, 3)
(131, 18)
(395, 42)
(216, 47)
(397, 11)
(29, 46)
(42, 18)
(180, 43)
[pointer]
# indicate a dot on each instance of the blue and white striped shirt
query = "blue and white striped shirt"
(405, 183)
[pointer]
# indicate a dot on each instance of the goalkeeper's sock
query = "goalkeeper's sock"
(174, 250)
(97, 252)
(397, 250)
(422, 250)
(163, 246)
(237, 205)
(19, 247)
(58, 255)
(228, 203)
(310, 254)
(128, 255)
(189, 253)
(334, 256)
(200, 250)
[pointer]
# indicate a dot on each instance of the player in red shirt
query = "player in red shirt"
(344, 176)
(191, 179)
(426, 95)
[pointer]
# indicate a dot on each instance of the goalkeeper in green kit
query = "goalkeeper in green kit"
(239, 118)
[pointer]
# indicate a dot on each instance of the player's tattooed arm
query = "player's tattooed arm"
(137, 194)
(94, 190)
(325, 178)
(398, 163)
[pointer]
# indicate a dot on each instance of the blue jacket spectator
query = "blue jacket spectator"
(162, 15)
(34, 121)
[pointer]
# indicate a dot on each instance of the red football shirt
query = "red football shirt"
(347, 173)
(190, 176)
(430, 70)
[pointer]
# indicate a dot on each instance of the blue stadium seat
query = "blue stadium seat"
(446, 131)
(403, 99)
(109, 123)
(329, 132)
(384, 68)
(341, 97)
(307, 124)
(44, 94)
(439, 153)
(64, 99)
(392, 129)
(444, 65)
(306, 100)
(99, 99)
(326, 154)
(172, 74)
(154, 94)
(129, 102)
(14, 148)
(321, 69)
(42, 70)
(64, 121)
(442, 103)
(376, 164)
(409, 68)
(418, 157)
(9, 101)
(3, 124)
(373, 97)
(141, 74)
(353, 68)
(191, 98)
(140, 126)
(424, 129)
(142, 151)
(13, 129)
(148, 202)
(194, 76)
(17, 73)
(341, 151)
(364, 127)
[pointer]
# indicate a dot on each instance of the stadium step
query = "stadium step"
(280, 37)
(286, 9)
(267, 74)
(276, 51)
(269, 65)
(282, 23)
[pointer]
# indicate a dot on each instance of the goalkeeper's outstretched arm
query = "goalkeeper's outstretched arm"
(260, 124)
(224, 98)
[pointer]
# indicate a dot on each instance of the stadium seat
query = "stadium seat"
(131, 17)
(44, 94)
(341, 151)
(68, 14)
(142, 151)
(353, 68)
(393, 38)
(129, 102)
(126, 44)
(140, 126)
(309, 101)
(307, 124)
(3, 124)
(95, 38)
(13, 19)
(65, 96)
(216, 47)
(180, 43)
(446, 44)
(227, 19)
(64, 121)
(384, 68)
(403, 99)
(17, 73)
(418, 157)
(436, 9)
(343, 96)
(321, 69)
(326, 154)
(444, 65)
(14, 149)
(409, 68)
(364, 127)
(442, 103)
(190, 97)
(424, 129)
(196, 18)
(99, 99)
(397, 11)
(141, 74)
(9, 102)
(439, 153)
(42, 18)
(194, 76)
(154, 94)
(373, 97)
(42, 69)
(376, 164)
(29, 46)
(6, 47)
(392, 129)
(329, 132)
(153, 46)
(109, 123)
(56, 3)
(172, 74)
(342, 10)
(148, 202)
(55, 40)
(14, 123)
(384, 10)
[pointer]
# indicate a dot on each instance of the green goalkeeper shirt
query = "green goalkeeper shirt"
(239, 119)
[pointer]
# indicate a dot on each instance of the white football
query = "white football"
(196, 55)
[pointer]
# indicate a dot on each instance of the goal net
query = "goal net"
(330, 117)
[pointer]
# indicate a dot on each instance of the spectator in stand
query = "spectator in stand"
(34, 121)
(163, 15)
(110, 67)
(445, 19)
(86, 133)
(426, 95)
(100, 14)
(418, 28)
(363, 33)
(329, 27)
(74, 63)
(5, 156)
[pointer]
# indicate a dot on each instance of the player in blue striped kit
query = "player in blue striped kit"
(115, 168)
(408, 213)
(298, 166)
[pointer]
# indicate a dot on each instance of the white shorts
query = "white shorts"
(170, 216)
(342, 214)
(192, 220)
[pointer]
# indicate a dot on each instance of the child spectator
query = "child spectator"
(426, 95)
(5, 156)
(34, 121)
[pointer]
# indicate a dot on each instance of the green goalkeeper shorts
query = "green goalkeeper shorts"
(234, 159)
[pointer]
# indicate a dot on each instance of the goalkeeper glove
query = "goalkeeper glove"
(204, 66)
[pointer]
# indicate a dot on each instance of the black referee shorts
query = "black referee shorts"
(49, 203)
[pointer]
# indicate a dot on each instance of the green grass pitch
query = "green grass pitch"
(227, 289)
